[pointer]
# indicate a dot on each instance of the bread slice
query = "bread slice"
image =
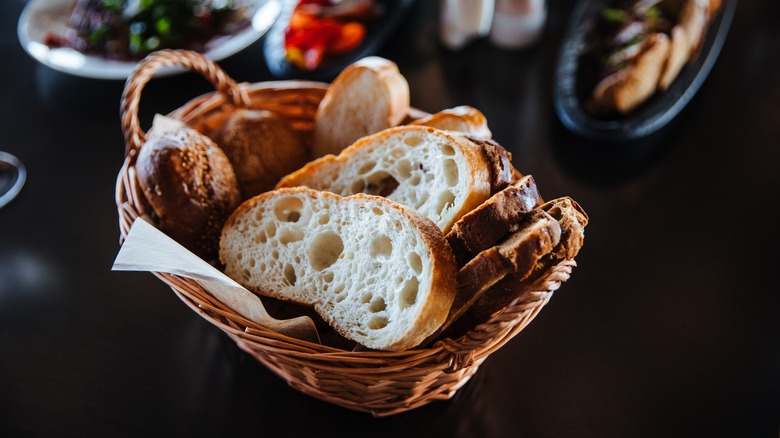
(518, 254)
(463, 119)
(487, 224)
(367, 97)
(628, 88)
(679, 55)
(440, 174)
(378, 272)
(572, 220)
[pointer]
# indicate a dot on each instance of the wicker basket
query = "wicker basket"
(382, 383)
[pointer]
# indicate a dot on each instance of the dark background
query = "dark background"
(668, 327)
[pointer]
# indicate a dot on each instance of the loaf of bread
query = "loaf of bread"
(380, 273)
(367, 97)
(189, 183)
(262, 147)
(440, 174)
(463, 119)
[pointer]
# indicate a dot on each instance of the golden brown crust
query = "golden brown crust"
(191, 187)
(443, 282)
(499, 161)
(262, 148)
(464, 119)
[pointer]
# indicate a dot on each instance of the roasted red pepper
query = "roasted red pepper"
(309, 38)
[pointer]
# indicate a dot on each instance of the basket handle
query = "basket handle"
(144, 72)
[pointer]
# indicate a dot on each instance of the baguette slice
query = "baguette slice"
(518, 254)
(463, 119)
(487, 224)
(572, 220)
(440, 174)
(628, 88)
(367, 97)
(378, 272)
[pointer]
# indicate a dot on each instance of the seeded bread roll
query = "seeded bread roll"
(378, 272)
(367, 97)
(442, 175)
(262, 148)
(190, 185)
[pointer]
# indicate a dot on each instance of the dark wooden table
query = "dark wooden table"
(668, 327)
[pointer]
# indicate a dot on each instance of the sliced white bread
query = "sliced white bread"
(441, 174)
(463, 119)
(367, 97)
(378, 272)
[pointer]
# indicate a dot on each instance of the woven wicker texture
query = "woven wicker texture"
(382, 383)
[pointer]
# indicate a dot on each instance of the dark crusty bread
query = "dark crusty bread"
(484, 226)
(262, 147)
(190, 185)
(572, 220)
(518, 254)
(377, 271)
(502, 173)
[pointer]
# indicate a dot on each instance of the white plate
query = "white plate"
(42, 16)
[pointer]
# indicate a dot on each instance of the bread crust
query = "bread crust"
(487, 224)
(190, 185)
(463, 119)
(518, 254)
(572, 220)
(368, 96)
(499, 160)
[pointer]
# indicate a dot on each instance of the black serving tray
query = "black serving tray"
(651, 115)
(377, 34)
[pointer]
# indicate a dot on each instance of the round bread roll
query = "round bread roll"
(190, 185)
(262, 147)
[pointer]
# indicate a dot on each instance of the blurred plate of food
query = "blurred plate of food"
(626, 68)
(105, 39)
(316, 39)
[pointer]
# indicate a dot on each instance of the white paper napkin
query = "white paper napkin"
(148, 249)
